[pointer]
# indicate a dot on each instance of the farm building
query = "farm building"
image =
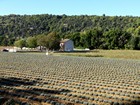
(66, 45)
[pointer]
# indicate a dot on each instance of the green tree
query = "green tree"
(50, 41)
(84, 40)
(96, 36)
(31, 42)
(20, 43)
(41, 41)
(53, 41)
(91, 38)
(115, 39)
(137, 31)
(134, 43)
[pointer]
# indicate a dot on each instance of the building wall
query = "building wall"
(69, 46)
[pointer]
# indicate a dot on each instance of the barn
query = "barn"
(66, 45)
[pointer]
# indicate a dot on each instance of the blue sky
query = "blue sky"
(71, 7)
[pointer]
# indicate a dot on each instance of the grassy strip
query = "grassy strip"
(125, 54)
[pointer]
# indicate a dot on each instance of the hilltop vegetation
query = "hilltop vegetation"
(100, 32)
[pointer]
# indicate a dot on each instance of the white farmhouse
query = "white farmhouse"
(66, 45)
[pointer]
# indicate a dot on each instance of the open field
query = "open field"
(37, 79)
(125, 54)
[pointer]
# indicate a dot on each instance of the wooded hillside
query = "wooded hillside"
(105, 32)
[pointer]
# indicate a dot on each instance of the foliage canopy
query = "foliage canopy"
(104, 32)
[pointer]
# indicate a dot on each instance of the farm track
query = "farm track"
(37, 79)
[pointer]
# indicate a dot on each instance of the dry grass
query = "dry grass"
(125, 54)
(5, 47)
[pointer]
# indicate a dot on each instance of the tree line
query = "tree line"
(94, 32)
(49, 41)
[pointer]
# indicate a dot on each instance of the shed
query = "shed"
(66, 45)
